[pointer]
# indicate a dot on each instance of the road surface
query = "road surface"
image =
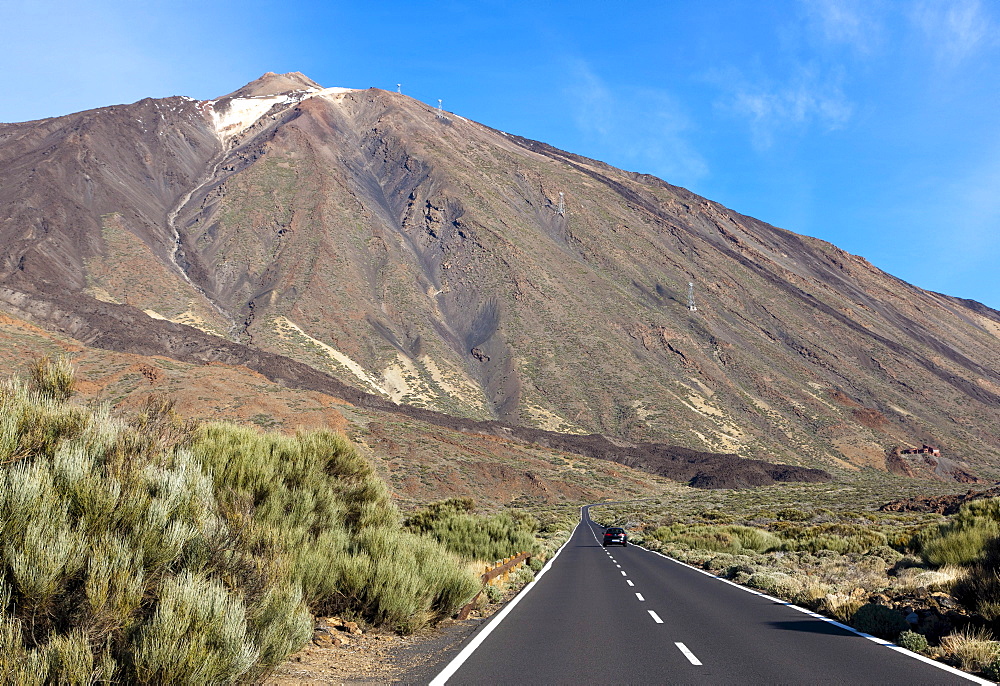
(627, 615)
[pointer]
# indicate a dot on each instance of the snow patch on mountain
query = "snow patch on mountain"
(242, 113)
(332, 91)
(239, 114)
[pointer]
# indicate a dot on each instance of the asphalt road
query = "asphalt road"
(627, 615)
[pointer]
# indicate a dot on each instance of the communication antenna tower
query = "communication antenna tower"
(562, 205)
(691, 305)
(440, 111)
(399, 88)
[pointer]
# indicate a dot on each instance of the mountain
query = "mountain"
(430, 261)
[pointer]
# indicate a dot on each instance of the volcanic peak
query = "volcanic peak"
(272, 84)
(234, 113)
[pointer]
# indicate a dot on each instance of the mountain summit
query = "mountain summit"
(274, 84)
(438, 263)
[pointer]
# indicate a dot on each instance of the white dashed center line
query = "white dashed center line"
(656, 618)
(624, 574)
(639, 596)
(629, 582)
(618, 566)
(688, 654)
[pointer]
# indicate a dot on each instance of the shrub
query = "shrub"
(889, 555)
(839, 538)
(729, 539)
(972, 649)
(146, 550)
(755, 539)
(979, 588)
(791, 514)
(879, 620)
(315, 499)
(840, 606)
(942, 579)
(773, 583)
(970, 540)
(959, 546)
(912, 641)
(52, 379)
(716, 516)
(522, 577)
(198, 635)
(475, 537)
(962, 540)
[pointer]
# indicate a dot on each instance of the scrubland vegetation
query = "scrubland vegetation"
(145, 549)
(926, 581)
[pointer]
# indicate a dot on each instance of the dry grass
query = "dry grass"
(943, 579)
(971, 649)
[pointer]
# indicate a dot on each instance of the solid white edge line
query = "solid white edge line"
(874, 639)
(466, 652)
(656, 617)
(688, 654)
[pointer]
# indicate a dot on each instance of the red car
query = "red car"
(615, 535)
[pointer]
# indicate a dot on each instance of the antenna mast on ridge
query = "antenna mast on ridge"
(691, 305)
(399, 88)
(440, 111)
(562, 204)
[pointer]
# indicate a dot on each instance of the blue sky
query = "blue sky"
(872, 124)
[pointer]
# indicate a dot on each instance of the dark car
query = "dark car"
(615, 535)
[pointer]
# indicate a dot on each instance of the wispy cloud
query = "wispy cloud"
(808, 99)
(955, 30)
(641, 127)
(854, 23)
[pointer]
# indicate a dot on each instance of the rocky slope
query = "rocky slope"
(424, 458)
(427, 260)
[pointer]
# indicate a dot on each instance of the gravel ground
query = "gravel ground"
(377, 657)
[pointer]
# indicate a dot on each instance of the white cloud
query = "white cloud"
(641, 128)
(954, 29)
(804, 101)
(850, 22)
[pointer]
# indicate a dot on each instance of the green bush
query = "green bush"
(52, 379)
(889, 556)
(979, 588)
(472, 536)
(879, 620)
(960, 546)
(913, 641)
(792, 514)
(147, 550)
(837, 538)
(962, 540)
(970, 539)
(723, 539)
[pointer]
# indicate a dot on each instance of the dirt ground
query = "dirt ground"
(338, 656)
